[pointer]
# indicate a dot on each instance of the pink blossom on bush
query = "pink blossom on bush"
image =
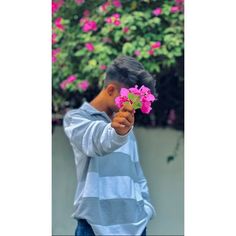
(88, 25)
(157, 11)
(108, 20)
(58, 23)
(63, 84)
(83, 85)
(151, 51)
(103, 67)
(156, 45)
(116, 3)
(126, 30)
(137, 53)
(54, 38)
(116, 22)
(116, 15)
(79, 2)
(71, 78)
(56, 5)
(86, 13)
(55, 52)
(89, 46)
(179, 1)
(114, 19)
(104, 6)
(174, 9)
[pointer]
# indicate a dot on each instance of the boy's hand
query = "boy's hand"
(123, 120)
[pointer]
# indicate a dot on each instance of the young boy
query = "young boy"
(112, 196)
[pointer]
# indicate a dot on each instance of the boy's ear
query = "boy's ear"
(110, 89)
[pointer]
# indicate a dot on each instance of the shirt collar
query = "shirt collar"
(93, 111)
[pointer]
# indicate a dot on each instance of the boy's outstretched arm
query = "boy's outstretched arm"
(98, 138)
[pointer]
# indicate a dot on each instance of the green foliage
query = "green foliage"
(109, 40)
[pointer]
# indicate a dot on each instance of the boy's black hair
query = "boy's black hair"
(129, 71)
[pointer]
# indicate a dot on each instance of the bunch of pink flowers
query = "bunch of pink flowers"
(114, 19)
(139, 98)
(88, 25)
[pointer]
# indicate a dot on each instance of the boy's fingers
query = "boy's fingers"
(127, 107)
(116, 125)
(123, 121)
(126, 115)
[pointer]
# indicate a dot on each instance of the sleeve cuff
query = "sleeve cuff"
(117, 137)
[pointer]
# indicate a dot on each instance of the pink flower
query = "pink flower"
(171, 117)
(146, 107)
(115, 19)
(108, 20)
(71, 78)
(83, 20)
(63, 84)
(156, 45)
(174, 9)
(103, 67)
(89, 46)
(79, 2)
(146, 94)
(116, 15)
(117, 23)
(135, 90)
(56, 6)
(157, 11)
(151, 51)
(126, 30)
(124, 92)
(141, 98)
(83, 85)
(54, 38)
(104, 6)
(179, 1)
(55, 52)
(86, 13)
(88, 25)
(120, 101)
(137, 53)
(116, 3)
(58, 23)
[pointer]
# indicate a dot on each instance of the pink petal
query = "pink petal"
(116, 3)
(174, 9)
(124, 92)
(83, 85)
(71, 78)
(157, 11)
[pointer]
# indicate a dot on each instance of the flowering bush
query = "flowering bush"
(87, 35)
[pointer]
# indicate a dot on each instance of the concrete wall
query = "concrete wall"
(165, 180)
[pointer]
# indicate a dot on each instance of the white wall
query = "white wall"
(165, 180)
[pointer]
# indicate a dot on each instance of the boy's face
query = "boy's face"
(113, 90)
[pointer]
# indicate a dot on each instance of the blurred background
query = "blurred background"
(86, 36)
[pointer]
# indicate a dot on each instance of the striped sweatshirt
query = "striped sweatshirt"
(112, 192)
